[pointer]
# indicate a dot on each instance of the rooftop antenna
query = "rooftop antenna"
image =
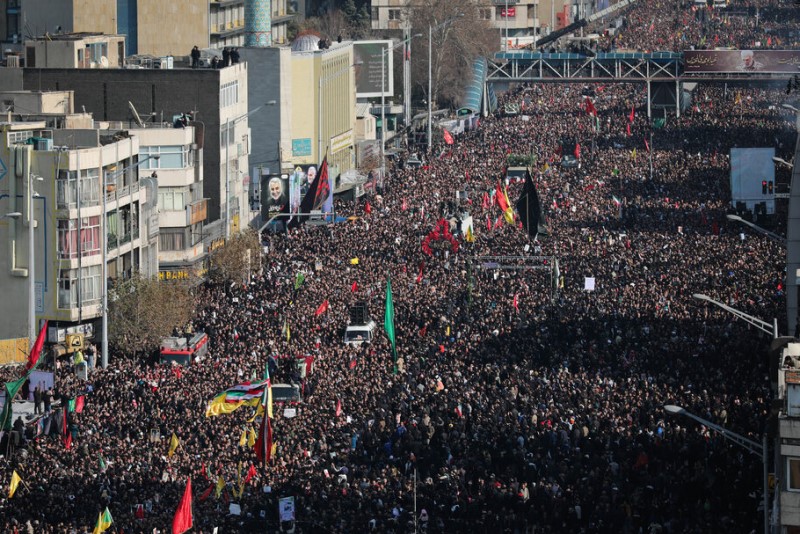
(135, 114)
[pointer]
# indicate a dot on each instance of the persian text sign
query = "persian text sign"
(766, 61)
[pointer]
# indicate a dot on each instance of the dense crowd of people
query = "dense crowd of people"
(521, 399)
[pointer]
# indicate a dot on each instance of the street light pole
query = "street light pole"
(759, 449)
(228, 124)
(104, 310)
(771, 235)
(31, 260)
(758, 323)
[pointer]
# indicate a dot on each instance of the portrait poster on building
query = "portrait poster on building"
(276, 199)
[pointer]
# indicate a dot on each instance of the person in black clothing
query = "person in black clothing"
(48, 400)
(37, 400)
(234, 56)
(195, 57)
(226, 57)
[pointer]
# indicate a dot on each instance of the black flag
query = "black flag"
(528, 208)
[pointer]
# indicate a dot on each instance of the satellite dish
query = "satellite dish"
(135, 114)
(104, 62)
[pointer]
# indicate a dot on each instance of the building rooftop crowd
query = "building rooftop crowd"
(547, 415)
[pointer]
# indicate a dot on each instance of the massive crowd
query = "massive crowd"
(523, 401)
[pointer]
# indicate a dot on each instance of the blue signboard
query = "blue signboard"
(301, 147)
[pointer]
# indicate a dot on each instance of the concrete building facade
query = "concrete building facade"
(216, 98)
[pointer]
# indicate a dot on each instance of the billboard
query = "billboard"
(766, 61)
(368, 72)
(753, 177)
(275, 193)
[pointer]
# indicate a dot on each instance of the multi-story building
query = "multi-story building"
(151, 27)
(85, 182)
(75, 50)
(519, 17)
(216, 99)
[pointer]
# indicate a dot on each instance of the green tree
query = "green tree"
(240, 257)
(142, 311)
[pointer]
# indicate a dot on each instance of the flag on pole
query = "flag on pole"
(632, 115)
(79, 403)
(354, 287)
(516, 302)
(321, 309)
(36, 350)
(448, 137)
(173, 445)
(388, 321)
(590, 109)
(421, 272)
(183, 516)
(104, 521)
(220, 486)
(264, 442)
(470, 237)
(577, 151)
(298, 280)
(250, 474)
(103, 465)
(252, 438)
(243, 438)
(616, 201)
(338, 407)
(286, 331)
(12, 388)
(12, 487)
(646, 145)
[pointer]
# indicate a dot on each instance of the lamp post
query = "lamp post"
(758, 323)
(114, 175)
(384, 53)
(322, 81)
(793, 231)
(228, 124)
(31, 194)
(430, 71)
(759, 449)
(771, 235)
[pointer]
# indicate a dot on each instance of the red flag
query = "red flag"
(36, 350)
(632, 115)
(423, 331)
(404, 206)
(322, 308)
(577, 150)
(647, 145)
(183, 516)
(139, 513)
(250, 473)
(486, 203)
(628, 127)
(421, 271)
(466, 175)
(207, 493)
(338, 407)
(79, 402)
(500, 198)
(488, 223)
(368, 207)
(590, 109)
(516, 302)
(354, 287)
(448, 138)
(499, 222)
(264, 442)
(68, 441)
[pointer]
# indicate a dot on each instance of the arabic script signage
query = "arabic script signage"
(766, 61)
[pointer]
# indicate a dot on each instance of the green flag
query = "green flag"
(298, 280)
(659, 123)
(388, 321)
(12, 388)
(71, 405)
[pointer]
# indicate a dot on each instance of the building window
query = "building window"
(171, 239)
(95, 51)
(91, 287)
(171, 157)
(793, 474)
(172, 198)
(395, 14)
(229, 94)
(15, 138)
(485, 13)
(89, 237)
(67, 189)
(374, 12)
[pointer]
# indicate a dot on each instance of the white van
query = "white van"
(359, 333)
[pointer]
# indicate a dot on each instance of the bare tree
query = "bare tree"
(240, 257)
(145, 310)
(456, 45)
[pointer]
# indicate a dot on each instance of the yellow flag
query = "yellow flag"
(447, 332)
(173, 444)
(104, 522)
(354, 261)
(251, 441)
(633, 154)
(274, 449)
(15, 480)
(243, 439)
(220, 486)
(470, 237)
